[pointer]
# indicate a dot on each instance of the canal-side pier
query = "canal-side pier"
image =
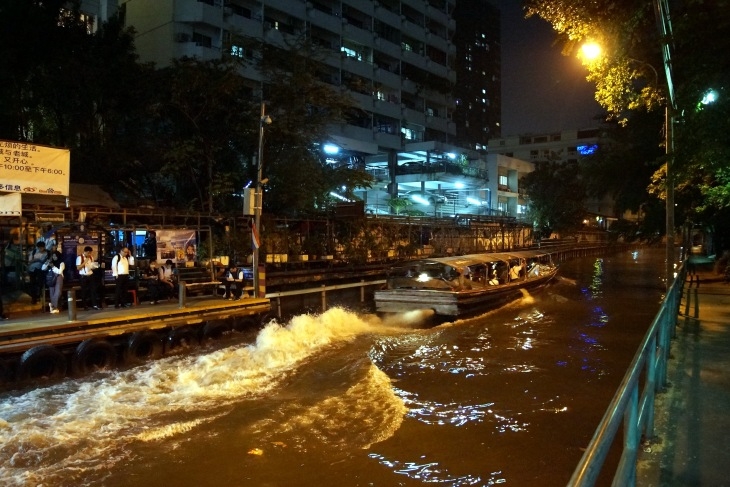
(44, 346)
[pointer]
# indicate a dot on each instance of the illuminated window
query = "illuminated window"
(351, 53)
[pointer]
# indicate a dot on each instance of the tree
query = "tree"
(66, 87)
(556, 197)
(302, 108)
(626, 159)
(628, 78)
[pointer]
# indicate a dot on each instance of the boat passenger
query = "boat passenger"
(514, 272)
(493, 281)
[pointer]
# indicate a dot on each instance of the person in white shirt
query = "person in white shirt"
(233, 276)
(120, 270)
(86, 266)
(168, 279)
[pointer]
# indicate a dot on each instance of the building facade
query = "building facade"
(397, 59)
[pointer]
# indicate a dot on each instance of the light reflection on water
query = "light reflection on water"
(369, 402)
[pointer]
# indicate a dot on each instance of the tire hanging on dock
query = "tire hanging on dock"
(42, 362)
(183, 336)
(141, 346)
(93, 354)
(214, 329)
(245, 323)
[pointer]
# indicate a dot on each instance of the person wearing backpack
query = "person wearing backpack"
(53, 269)
(36, 258)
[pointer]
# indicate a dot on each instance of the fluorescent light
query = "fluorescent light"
(331, 149)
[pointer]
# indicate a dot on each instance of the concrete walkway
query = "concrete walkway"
(692, 425)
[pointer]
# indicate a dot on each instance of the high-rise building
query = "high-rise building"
(397, 59)
(478, 67)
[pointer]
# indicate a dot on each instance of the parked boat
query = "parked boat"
(464, 285)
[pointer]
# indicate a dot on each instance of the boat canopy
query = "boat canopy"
(470, 271)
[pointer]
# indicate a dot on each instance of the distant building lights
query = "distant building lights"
(339, 196)
(585, 150)
(331, 149)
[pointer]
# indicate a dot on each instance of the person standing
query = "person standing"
(120, 270)
(54, 268)
(36, 258)
(86, 265)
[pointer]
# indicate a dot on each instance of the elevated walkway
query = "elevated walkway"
(692, 422)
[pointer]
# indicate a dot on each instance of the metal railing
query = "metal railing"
(630, 405)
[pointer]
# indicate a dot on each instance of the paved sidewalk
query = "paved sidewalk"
(692, 424)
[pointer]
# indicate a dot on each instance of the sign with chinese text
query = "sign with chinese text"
(33, 168)
(11, 205)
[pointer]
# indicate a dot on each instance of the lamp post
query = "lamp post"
(259, 197)
(664, 27)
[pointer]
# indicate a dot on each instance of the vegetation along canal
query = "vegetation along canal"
(344, 399)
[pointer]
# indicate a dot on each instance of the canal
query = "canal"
(344, 399)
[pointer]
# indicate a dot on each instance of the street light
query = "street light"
(590, 51)
(258, 200)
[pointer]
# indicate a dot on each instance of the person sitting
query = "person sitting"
(168, 280)
(233, 277)
(514, 272)
(152, 277)
(493, 281)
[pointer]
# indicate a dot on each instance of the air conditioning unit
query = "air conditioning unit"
(181, 37)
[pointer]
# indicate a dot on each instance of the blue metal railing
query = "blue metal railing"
(631, 406)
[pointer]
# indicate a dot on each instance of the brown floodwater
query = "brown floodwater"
(344, 399)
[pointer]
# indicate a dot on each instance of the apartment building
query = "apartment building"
(564, 146)
(398, 59)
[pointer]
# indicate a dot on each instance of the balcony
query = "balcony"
(360, 68)
(388, 109)
(438, 15)
(326, 20)
(388, 17)
(357, 34)
(198, 13)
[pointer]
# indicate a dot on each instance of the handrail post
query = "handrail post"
(72, 305)
(182, 294)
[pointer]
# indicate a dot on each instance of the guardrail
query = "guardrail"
(647, 369)
(276, 296)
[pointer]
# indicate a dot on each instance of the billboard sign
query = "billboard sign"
(33, 168)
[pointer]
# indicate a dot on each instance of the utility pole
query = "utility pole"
(259, 197)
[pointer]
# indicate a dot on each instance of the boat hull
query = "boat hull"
(455, 304)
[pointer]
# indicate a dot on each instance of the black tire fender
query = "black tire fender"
(93, 354)
(214, 329)
(42, 362)
(183, 336)
(245, 323)
(143, 345)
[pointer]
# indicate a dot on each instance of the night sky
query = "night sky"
(542, 90)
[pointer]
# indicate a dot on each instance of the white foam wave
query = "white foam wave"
(88, 421)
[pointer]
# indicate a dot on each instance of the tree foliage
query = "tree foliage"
(630, 76)
(557, 197)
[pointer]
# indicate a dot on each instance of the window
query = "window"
(503, 180)
(351, 53)
(409, 134)
(202, 40)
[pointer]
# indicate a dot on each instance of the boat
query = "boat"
(464, 285)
